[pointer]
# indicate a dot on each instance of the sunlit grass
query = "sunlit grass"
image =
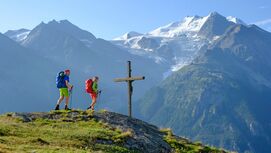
(44, 135)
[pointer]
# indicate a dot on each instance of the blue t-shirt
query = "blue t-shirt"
(66, 78)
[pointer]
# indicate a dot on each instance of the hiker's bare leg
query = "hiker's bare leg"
(93, 104)
(67, 101)
(60, 100)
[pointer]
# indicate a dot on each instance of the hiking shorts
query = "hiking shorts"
(64, 92)
(93, 96)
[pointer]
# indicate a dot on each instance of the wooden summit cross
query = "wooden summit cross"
(129, 81)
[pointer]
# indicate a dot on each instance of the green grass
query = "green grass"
(73, 133)
(182, 145)
(44, 135)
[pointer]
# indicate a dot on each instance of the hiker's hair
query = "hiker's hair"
(96, 78)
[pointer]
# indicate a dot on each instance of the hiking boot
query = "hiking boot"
(66, 108)
(90, 108)
(57, 107)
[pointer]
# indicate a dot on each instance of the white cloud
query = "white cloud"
(263, 22)
(263, 7)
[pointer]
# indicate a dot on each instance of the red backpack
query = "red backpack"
(89, 84)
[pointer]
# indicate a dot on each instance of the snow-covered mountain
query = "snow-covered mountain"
(223, 97)
(17, 35)
(128, 35)
(235, 20)
(177, 43)
(190, 24)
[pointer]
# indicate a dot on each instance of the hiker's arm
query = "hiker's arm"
(68, 85)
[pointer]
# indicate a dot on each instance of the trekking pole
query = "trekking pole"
(71, 97)
(99, 94)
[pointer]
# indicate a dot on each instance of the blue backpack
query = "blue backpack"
(60, 82)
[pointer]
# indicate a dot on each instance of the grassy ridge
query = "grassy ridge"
(69, 134)
(44, 135)
(181, 145)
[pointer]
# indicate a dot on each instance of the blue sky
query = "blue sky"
(111, 18)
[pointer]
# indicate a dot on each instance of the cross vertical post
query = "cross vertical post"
(130, 89)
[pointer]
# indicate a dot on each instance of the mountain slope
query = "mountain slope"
(215, 25)
(21, 79)
(223, 98)
(79, 131)
(68, 46)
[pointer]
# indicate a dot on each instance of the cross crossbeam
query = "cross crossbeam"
(128, 79)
